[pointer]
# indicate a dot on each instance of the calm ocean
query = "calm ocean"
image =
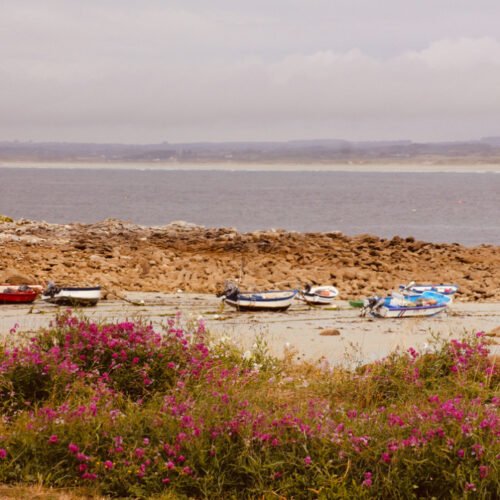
(437, 207)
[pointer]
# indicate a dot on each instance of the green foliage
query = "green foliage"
(130, 412)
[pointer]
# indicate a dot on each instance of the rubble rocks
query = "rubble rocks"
(197, 259)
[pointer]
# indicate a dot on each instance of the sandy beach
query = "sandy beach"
(349, 338)
(157, 272)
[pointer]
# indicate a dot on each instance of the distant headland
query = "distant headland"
(328, 151)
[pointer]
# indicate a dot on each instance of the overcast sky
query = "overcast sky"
(143, 71)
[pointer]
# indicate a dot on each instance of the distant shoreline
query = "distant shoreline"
(379, 166)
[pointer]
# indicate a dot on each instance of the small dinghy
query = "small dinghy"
(18, 294)
(356, 303)
(403, 306)
(72, 295)
(318, 295)
(273, 300)
(443, 288)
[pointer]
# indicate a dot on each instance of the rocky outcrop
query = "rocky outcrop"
(124, 256)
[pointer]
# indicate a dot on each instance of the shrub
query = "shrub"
(135, 412)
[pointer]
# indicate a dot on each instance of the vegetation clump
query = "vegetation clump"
(128, 411)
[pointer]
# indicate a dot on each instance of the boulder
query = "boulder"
(12, 277)
(329, 332)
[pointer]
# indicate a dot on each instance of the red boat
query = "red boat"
(17, 295)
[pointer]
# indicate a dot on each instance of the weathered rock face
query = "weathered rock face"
(123, 256)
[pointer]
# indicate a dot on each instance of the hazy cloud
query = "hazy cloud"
(145, 71)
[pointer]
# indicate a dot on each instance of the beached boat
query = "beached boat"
(356, 303)
(402, 306)
(443, 288)
(318, 295)
(37, 288)
(272, 300)
(17, 294)
(72, 295)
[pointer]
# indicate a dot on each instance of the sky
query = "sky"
(148, 71)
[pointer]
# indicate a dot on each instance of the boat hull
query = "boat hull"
(265, 301)
(74, 296)
(425, 304)
(17, 297)
(319, 296)
(408, 312)
(36, 288)
(356, 303)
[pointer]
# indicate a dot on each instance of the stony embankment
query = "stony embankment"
(122, 256)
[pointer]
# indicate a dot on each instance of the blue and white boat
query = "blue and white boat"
(272, 300)
(399, 305)
(443, 288)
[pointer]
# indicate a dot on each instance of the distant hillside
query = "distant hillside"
(486, 150)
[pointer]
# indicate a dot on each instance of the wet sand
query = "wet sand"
(360, 339)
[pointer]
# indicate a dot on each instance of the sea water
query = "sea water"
(462, 207)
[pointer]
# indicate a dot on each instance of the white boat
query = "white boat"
(72, 295)
(403, 306)
(443, 288)
(318, 295)
(272, 300)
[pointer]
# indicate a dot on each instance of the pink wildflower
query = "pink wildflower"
(461, 453)
(484, 470)
(73, 448)
(386, 458)
(489, 370)
(413, 353)
(108, 464)
(139, 452)
(470, 487)
(81, 457)
(3, 453)
(478, 450)
(53, 439)
(368, 479)
(165, 480)
(308, 460)
(181, 436)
